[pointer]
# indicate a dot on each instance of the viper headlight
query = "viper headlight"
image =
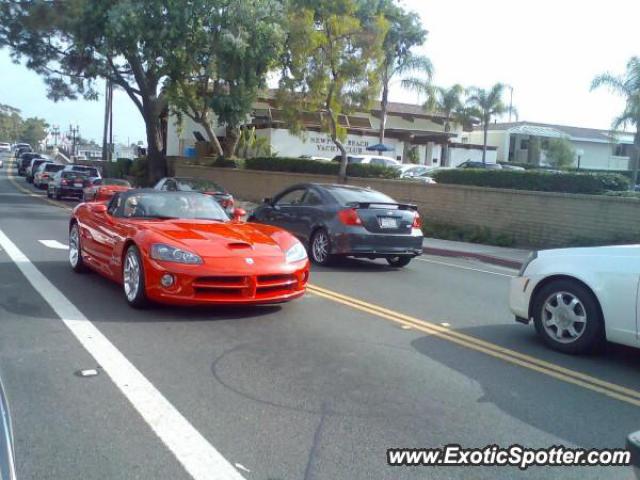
(296, 253)
(167, 253)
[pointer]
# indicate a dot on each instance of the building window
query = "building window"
(524, 144)
(622, 150)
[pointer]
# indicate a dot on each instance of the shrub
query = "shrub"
(139, 172)
(591, 183)
(118, 169)
(466, 233)
(299, 165)
(560, 153)
(225, 162)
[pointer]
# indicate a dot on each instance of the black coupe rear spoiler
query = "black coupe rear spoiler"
(399, 206)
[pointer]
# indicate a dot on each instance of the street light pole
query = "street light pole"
(75, 133)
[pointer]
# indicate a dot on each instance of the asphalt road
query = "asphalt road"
(316, 389)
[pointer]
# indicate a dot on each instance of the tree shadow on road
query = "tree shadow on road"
(570, 412)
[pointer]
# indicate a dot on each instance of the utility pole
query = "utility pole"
(108, 121)
(510, 102)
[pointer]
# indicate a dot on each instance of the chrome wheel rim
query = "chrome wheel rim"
(74, 246)
(320, 247)
(131, 276)
(564, 317)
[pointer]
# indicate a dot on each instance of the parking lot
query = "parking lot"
(369, 359)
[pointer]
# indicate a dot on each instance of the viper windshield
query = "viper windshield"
(168, 205)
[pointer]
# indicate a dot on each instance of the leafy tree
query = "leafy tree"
(10, 123)
(137, 44)
(33, 131)
(627, 86)
(238, 45)
(560, 153)
(489, 104)
(405, 32)
(331, 64)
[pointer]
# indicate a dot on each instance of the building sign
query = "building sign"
(323, 144)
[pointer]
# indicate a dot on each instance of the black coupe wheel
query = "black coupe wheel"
(567, 317)
(133, 278)
(398, 262)
(320, 248)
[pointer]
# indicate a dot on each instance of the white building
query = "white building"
(524, 142)
(408, 126)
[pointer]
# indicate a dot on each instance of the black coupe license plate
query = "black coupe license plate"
(388, 222)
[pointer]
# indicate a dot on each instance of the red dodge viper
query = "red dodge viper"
(181, 248)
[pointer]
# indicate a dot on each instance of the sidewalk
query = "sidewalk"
(506, 257)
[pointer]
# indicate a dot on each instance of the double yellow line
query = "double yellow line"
(594, 384)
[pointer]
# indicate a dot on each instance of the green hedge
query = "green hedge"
(118, 169)
(300, 165)
(592, 183)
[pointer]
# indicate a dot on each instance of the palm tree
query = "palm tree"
(394, 66)
(627, 86)
(489, 104)
(449, 103)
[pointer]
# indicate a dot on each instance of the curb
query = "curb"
(503, 262)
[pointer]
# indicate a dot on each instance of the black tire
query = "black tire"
(75, 250)
(320, 237)
(399, 262)
(590, 336)
(48, 193)
(56, 194)
(139, 299)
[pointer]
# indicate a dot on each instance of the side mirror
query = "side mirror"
(267, 200)
(238, 213)
(100, 208)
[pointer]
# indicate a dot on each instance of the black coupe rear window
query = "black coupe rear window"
(349, 195)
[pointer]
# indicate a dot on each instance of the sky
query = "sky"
(547, 50)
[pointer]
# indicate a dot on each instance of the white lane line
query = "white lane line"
(55, 244)
(465, 268)
(199, 458)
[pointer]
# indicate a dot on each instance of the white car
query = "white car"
(5, 147)
(370, 160)
(579, 297)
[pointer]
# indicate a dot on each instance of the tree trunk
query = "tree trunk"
(484, 142)
(343, 151)
(157, 161)
(231, 139)
(635, 160)
(383, 110)
(211, 136)
(444, 161)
